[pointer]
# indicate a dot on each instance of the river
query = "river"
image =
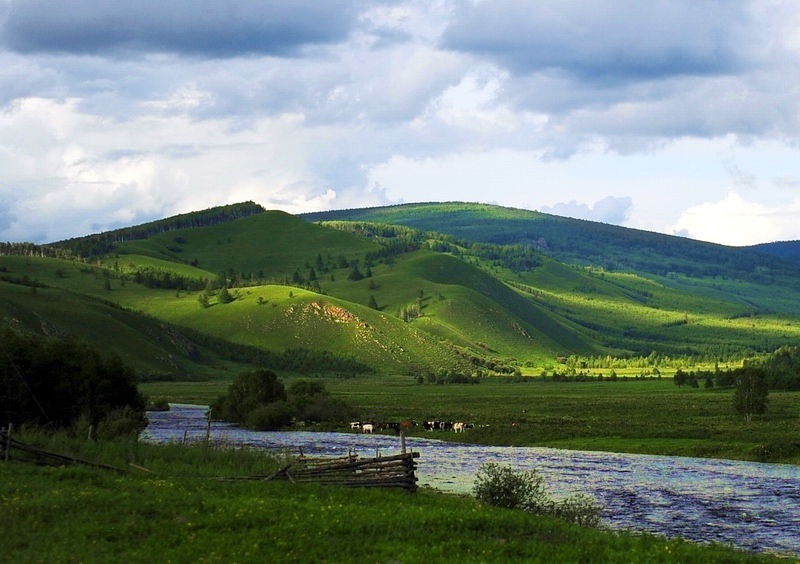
(749, 505)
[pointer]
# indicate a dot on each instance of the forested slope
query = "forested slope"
(578, 241)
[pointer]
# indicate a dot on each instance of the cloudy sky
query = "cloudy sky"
(676, 116)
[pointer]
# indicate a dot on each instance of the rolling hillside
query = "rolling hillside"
(494, 290)
(576, 241)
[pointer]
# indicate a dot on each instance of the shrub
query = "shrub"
(122, 422)
(503, 486)
(579, 509)
(270, 417)
(248, 392)
(158, 404)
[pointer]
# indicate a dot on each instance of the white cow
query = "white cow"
(459, 427)
(367, 428)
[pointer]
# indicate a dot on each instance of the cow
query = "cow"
(459, 427)
(355, 425)
(367, 427)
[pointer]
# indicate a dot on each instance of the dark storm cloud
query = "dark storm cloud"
(198, 27)
(603, 41)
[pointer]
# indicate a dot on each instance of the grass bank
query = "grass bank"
(182, 513)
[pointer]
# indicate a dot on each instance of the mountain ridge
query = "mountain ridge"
(399, 298)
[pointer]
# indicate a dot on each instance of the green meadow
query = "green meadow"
(646, 416)
(182, 508)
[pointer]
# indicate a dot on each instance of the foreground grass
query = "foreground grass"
(181, 514)
(644, 417)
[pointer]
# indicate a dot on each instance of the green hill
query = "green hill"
(576, 241)
(408, 289)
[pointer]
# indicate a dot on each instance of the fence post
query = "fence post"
(8, 441)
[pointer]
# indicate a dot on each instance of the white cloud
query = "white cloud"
(103, 174)
(608, 210)
(626, 112)
(739, 222)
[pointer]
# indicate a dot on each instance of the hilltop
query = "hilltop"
(416, 289)
(577, 241)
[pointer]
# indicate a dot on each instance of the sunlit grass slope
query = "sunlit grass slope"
(271, 317)
(506, 315)
(280, 317)
(271, 244)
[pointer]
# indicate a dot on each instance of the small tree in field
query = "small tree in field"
(751, 391)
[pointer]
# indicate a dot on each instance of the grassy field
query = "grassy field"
(638, 416)
(182, 513)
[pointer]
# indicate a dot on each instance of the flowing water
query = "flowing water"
(750, 505)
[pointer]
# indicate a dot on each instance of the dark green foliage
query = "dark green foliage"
(203, 300)
(224, 296)
(313, 403)
(270, 417)
(782, 368)
(355, 274)
(59, 381)
(372, 302)
(250, 390)
(259, 400)
(152, 277)
(751, 391)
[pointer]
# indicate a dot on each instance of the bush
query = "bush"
(503, 486)
(250, 391)
(158, 404)
(123, 422)
(579, 509)
(270, 417)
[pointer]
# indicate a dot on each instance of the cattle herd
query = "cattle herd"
(369, 427)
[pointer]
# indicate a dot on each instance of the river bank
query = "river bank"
(634, 416)
(754, 506)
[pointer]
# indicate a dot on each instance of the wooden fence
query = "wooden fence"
(396, 471)
(13, 450)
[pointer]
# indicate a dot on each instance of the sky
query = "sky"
(675, 116)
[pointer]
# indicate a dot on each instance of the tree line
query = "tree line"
(298, 360)
(63, 383)
(104, 243)
(260, 400)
